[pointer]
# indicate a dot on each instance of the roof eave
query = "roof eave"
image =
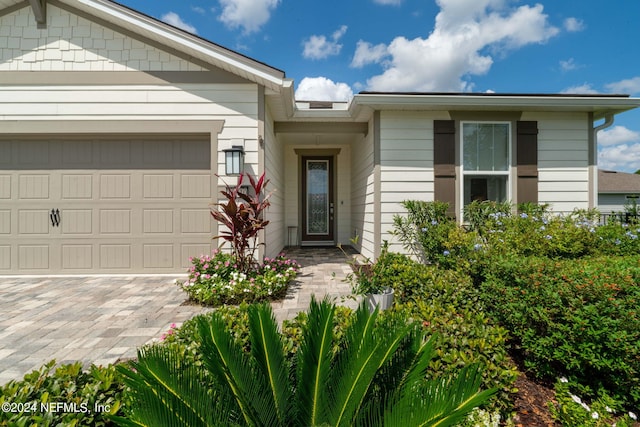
(195, 46)
(599, 105)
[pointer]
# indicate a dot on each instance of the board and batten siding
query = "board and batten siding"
(563, 159)
(362, 194)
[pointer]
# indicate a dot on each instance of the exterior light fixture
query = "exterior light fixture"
(234, 160)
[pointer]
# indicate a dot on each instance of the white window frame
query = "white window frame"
(463, 174)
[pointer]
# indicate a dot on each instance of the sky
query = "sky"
(333, 49)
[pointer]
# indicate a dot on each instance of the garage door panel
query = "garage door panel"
(5, 257)
(195, 221)
(5, 186)
(77, 186)
(156, 186)
(5, 154)
(195, 186)
(77, 256)
(115, 154)
(157, 221)
(158, 256)
(33, 221)
(115, 221)
(115, 256)
(33, 257)
(77, 154)
(5, 221)
(33, 186)
(115, 186)
(76, 221)
(33, 153)
(158, 154)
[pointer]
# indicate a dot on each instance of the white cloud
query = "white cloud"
(174, 19)
(624, 158)
(617, 135)
(583, 89)
(619, 149)
(574, 25)
(322, 89)
(569, 65)
(464, 32)
(368, 54)
(630, 86)
(319, 47)
(250, 15)
(199, 10)
(389, 2)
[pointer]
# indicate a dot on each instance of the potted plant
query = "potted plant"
(366, 280)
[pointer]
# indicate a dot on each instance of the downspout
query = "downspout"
(593, 164)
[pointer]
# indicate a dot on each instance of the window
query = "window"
(485, 161)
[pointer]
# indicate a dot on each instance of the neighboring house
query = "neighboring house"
(616, 190)
(114, 126)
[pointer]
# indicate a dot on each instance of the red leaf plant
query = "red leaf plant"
(242, 215)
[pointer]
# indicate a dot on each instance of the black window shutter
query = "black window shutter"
(527, 161)
(444, 163)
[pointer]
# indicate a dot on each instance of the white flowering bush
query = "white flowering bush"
(217, 279)
(570, 409)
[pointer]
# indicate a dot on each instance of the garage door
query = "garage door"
(86, 205)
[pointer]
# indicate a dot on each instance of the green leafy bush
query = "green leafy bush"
(447, 303)
(217, 280)
(603, 411)
(425, 229)
(65, 395)
(577, 318)
(376, 378)
(616, 238)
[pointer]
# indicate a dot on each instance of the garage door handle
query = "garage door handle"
(55, 217)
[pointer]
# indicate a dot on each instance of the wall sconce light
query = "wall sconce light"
(261, 140)
(234, 160)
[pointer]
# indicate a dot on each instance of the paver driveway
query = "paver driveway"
(102, 319)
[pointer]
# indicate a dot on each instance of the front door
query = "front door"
(317, 200)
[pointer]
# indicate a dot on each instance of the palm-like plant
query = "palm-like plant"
(375, 377)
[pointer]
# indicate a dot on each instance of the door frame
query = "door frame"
(329, 238)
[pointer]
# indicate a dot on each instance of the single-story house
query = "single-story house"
(617, 190)
(114, 128)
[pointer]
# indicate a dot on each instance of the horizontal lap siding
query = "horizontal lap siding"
(563, 159)
(275, 232)
(362, 197)
(406, 164)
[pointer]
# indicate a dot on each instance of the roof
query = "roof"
(189, 45)
(613, 182)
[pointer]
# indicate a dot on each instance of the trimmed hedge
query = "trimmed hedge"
(575, 318)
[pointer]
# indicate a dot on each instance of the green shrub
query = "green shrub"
(615, 238)
(424, 230)
(577, 318)
(217, 280)
(65, 395)
(569, 409)
(446, 303)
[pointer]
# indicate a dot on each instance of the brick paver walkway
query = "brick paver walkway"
(102, 319)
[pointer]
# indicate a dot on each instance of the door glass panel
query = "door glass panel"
(317, 197)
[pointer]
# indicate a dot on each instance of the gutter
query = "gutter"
(593, 172)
